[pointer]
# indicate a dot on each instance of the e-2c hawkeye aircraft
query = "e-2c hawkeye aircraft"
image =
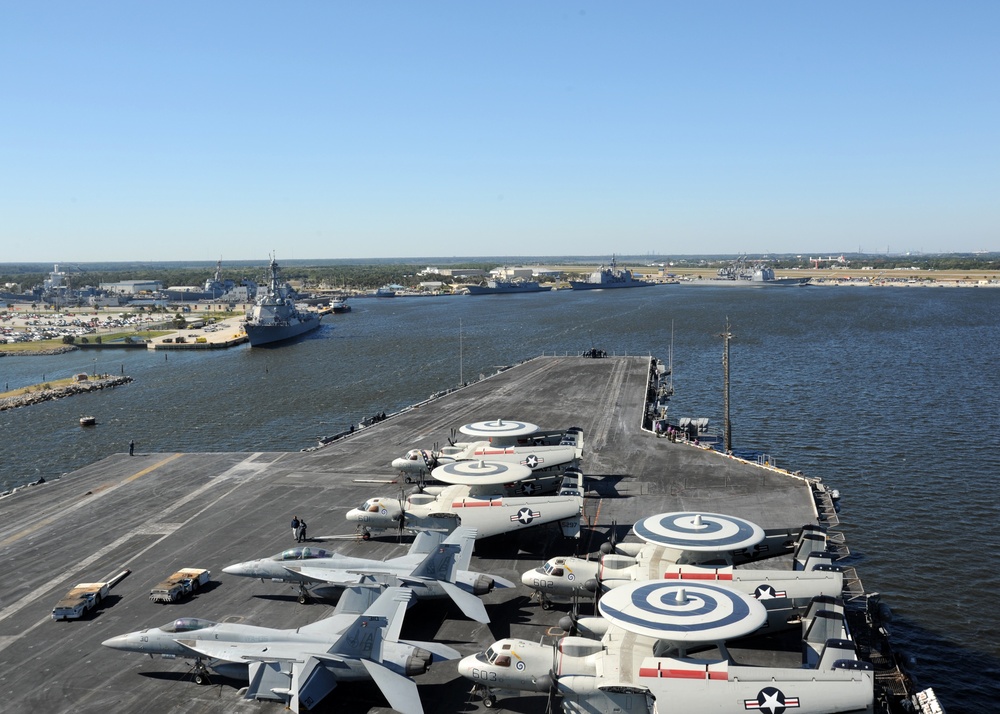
(479, 494)
(671, 539)
(546, 453)
(649, 669)
(300, 667)
(436, 566)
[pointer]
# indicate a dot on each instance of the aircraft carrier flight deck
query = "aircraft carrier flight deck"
(154, 513)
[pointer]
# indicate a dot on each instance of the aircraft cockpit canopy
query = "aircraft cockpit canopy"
(188, 624)
(303, 554)
(555, 570)
(370, 506)
(498, 658)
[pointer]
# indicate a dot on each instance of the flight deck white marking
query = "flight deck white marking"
(44, 590)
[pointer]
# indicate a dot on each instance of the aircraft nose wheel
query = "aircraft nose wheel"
(489, 701)
(201, 678)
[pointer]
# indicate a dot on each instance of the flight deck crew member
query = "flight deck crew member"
(295, 527)
(131, 447)
(301, 535)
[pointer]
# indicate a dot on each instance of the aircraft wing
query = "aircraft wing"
(332, 576)
(244, 652)
(400, 691)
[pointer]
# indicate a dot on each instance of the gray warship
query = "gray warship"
(274, 317)
(609, 277)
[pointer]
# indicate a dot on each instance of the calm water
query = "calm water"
(890, 395)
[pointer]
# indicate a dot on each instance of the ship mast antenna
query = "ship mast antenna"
(726, 425)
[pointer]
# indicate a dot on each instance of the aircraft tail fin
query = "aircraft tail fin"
(574, 437)
(811, 540)
(439, 563)
(366, 632)
(426, 542)
(465, 538)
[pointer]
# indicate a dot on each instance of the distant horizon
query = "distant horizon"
(434, 261)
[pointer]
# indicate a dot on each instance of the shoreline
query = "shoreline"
(45, 395)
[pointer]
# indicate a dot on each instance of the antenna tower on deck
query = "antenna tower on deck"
(726, 426)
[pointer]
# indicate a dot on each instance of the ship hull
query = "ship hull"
(582, 285)
(505, 290)
(270, 334)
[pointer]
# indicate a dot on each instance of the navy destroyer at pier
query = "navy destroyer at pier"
(505, 285)
(609, 277)
(752, 272)
(274, 317)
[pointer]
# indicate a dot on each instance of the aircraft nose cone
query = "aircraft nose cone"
(352, 515)
(466, 665)
(117, 643)
(400, 463)
(237, 569)
(530, 578)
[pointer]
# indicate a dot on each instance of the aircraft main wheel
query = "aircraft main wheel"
(490, 702)
(200, 678)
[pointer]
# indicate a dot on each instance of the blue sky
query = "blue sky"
(193, 130)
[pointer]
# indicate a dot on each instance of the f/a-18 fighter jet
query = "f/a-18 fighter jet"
(300, 667)
(435, 567)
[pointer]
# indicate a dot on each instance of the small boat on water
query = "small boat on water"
(88, 421)
(339, 304)
(274, 317)
(609, 277)
(387, 291)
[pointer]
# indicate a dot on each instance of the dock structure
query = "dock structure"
(155, 511)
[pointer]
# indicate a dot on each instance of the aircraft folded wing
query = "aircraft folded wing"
(401, 692)
(332, 576)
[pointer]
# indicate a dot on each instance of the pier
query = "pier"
(153, 513)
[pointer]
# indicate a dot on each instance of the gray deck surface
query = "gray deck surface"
(155, 513)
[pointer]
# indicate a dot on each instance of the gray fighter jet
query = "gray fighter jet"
(435, 567)
(300, 667)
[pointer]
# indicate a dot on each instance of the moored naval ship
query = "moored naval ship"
(274, 317)
(505, 285)
(215, 288)
(609, 277)
(753, 272)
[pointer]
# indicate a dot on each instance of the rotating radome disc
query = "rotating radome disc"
(686, 613)
(699, 532)
(498, 428)
(472, 473)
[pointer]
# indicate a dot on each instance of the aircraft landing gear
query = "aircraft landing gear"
(489, 698)
(366, 534)
(200, 673)
(303, 595)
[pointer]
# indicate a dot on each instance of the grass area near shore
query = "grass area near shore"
(50, 384)
(45, 345)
